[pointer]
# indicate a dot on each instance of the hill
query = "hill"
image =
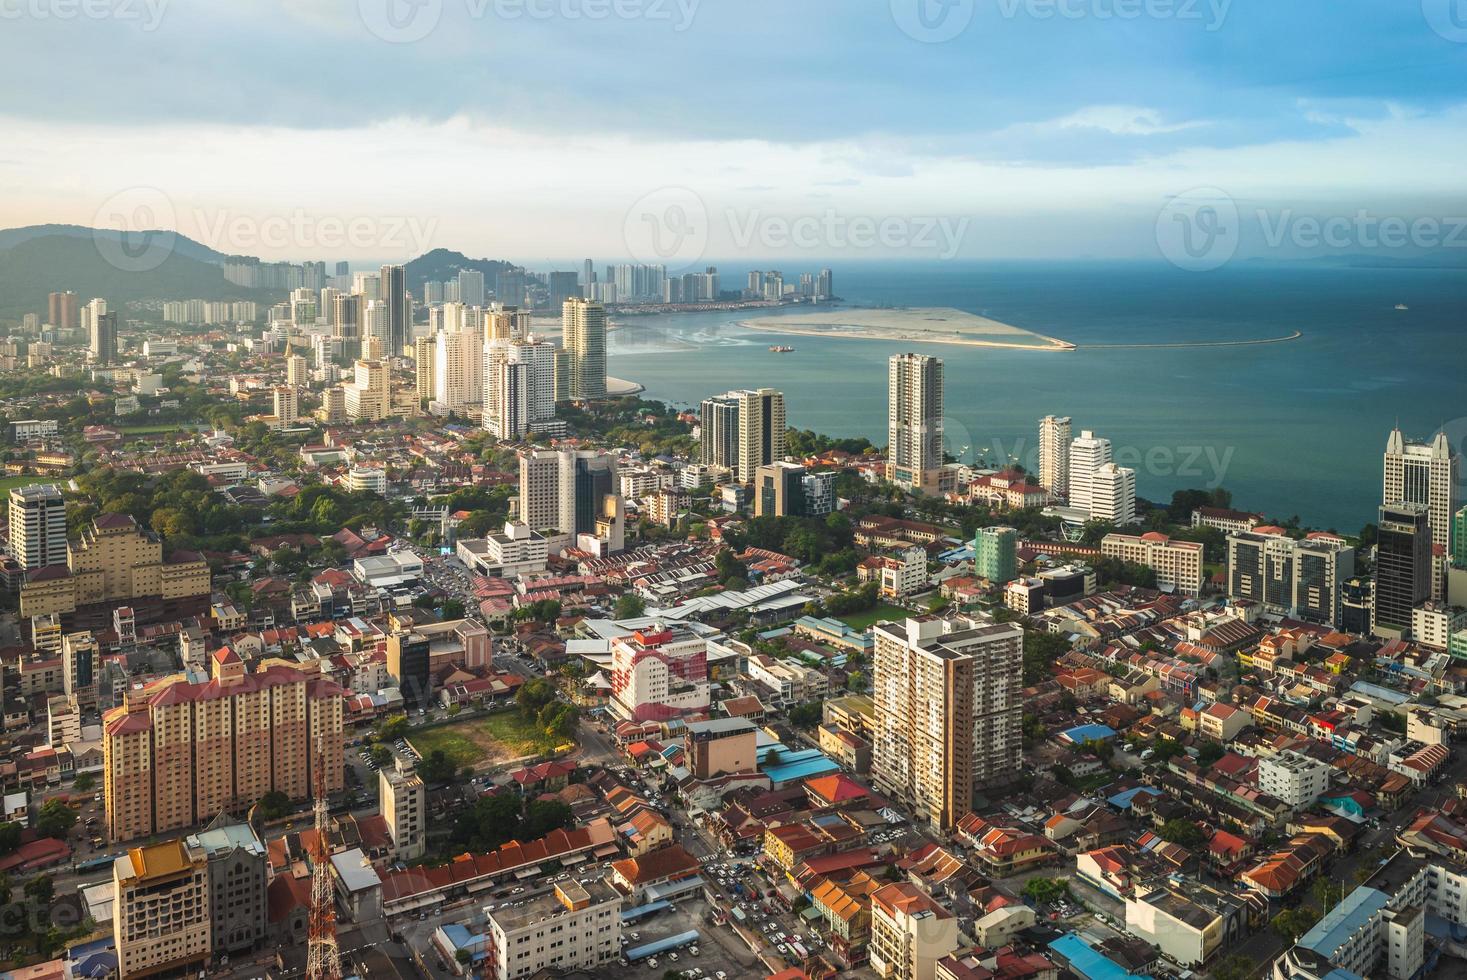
(442, 264)
(41, 265)
(182, 244)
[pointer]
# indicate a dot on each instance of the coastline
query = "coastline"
(1197, 343)
(909, 325)
(620, 387)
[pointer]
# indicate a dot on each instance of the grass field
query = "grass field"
(861, 620)
(9, 483)
(497, 738)
(153, 430)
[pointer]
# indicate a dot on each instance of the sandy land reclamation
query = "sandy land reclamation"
(933, 325)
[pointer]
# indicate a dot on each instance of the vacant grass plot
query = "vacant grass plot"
(476, 741)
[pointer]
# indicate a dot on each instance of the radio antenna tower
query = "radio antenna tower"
(323, 958)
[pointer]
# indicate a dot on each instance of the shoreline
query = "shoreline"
(896, 334)
(620, 387)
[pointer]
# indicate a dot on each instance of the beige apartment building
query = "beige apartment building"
(1178, 564)
(575, 927)
(113, 561)
(947, 697)
(160, 911)
(404, 804)
(909, 932)
(178, 753)
(369, 396)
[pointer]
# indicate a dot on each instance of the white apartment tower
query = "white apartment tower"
(1087, 454)
(1054, 456)
(458, 366)
(37, 526)
(914, 421)
(947, 712)
(1426, 474)
(1113, 494)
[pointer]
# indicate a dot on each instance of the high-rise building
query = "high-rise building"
(583, 326)
(409, 664)
(947, 712)
(333, 406)
(458, 370)
(403, 803)
(160, 910)
(286, 402)
(718, 432)
(297, 371)
(1113, 494)
(368, 397)
(1087, 455)
(346, 317)
(424, 351)
(520, 397)
(1426, 474)
(104, 337)
(762, 430)
(471, 287)
(179, 752)
(824, 286)
(659, 673)
(563, 286)
(996, 554)
(1054, 456)
(588, 276)
(81, 668)
(37, 526)
(1459, 539)
(1299, 579)
(61, 310)
(573, 493)
(914, 421)
(1402, 564)
(398, 330)
(779, 490)
(510, 286)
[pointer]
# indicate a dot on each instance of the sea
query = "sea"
(1291, 429)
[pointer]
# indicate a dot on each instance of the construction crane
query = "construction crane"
(323, 958)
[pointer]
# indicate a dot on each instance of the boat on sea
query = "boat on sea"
(780, 349)
(1402, 307)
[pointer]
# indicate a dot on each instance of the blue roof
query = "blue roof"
(1090, 964)
(661, 945)
(783, 765)
(1089, 733)
(1343, 921)
(1382, 693)
(627, 915)
(1122, 801)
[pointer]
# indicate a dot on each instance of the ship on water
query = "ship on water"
(780, 349)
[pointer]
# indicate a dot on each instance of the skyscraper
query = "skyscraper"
(521, 398)
(346, 316)
(563, 286)
(584, 330)
(575, 493)
(458, 369)
(718, 432)
(394, 297)
(471, 287)
(824, 286)
(1426, 474)
(61, 310)
(914, 421)
(104, 338)
(1054, 456)
(947, 712)
(37, 526)
(424, 352)
(1459, 539)
(1087, 455)
(1113, 494)
(762, 430)
(1402, 564)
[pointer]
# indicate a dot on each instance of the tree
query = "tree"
(1209, 753)
(9, 837)
(1046, 890)
(534, 695)
(629, 605)
(393, 728)
(437, 768)
(1293, 923)
(274, 805)
(856, 681)
(453, 609)
(1183, 832)
(543, 816)
(55, 819)
(1235, 967)
(806, 715)
(85, 782)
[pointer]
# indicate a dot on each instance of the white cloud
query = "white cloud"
(1118, 120)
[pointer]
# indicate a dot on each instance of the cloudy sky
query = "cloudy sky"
(691, 129)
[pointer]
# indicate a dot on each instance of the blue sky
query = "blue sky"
(531, 127)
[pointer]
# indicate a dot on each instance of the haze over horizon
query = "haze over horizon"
(1038, 129)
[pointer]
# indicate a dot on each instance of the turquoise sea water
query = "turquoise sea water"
(1290, 428)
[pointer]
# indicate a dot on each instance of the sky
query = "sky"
(1195, 131)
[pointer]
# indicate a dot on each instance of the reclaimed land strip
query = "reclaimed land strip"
(1196, 343)
(932, 325)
